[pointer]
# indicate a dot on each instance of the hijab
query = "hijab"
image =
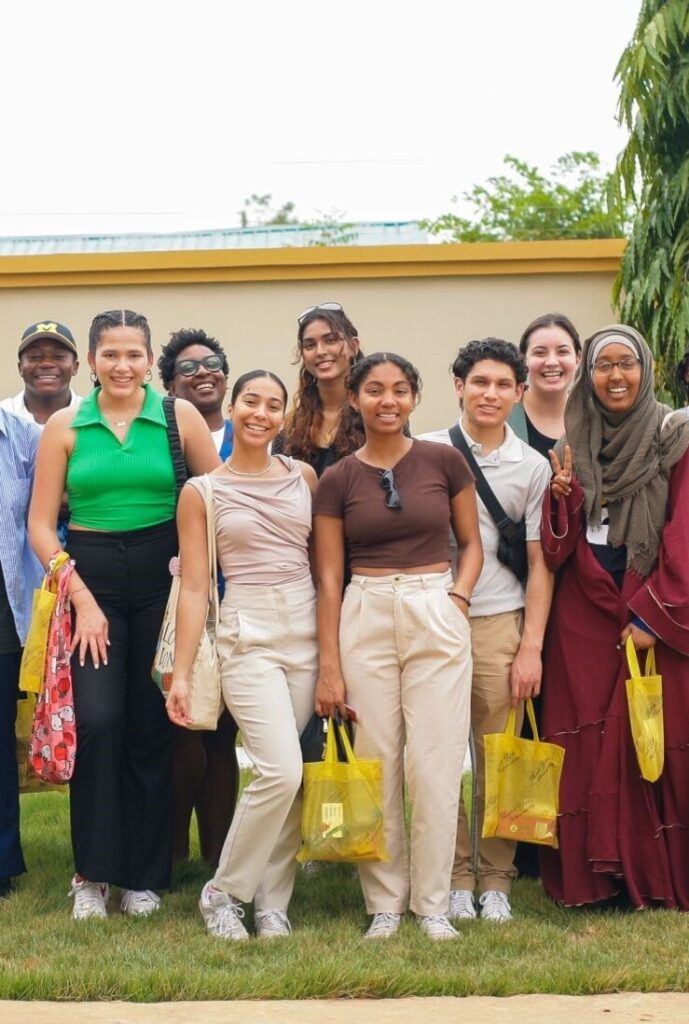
(623, 459)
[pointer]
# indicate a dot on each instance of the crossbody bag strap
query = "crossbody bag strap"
(212, 549)
(483, 488)
(178, 463)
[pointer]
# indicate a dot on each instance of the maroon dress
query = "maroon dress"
(613, 824)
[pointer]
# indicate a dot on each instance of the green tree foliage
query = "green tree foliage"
(327, 228)
(651, 290)
(258, 210)
(526, 205)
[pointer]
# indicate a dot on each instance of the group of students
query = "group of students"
(361, 574)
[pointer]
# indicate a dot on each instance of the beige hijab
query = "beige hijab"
(624, 459)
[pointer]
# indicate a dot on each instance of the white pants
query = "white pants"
(406, 658)
(269, 657)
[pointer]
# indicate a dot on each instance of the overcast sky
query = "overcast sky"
(156, 116)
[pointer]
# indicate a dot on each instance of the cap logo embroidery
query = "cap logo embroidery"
(49, 328)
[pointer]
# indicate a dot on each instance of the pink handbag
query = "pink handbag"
(53, 743)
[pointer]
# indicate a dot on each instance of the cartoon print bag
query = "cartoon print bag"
(53, 744)
(522, 785)
(645, 703)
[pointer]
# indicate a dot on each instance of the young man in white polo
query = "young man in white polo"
(507, 620)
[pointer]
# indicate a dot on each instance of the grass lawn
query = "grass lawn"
(45, 955)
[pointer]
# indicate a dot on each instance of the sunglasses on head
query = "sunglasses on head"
(188, 367)
(392, 495)
(334, 307)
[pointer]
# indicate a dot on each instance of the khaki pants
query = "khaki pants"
(494, 641)
(406, 660)
(269, 657)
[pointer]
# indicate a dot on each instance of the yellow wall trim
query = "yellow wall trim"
(311, 264)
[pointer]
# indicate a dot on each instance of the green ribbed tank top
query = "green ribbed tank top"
(121, 486)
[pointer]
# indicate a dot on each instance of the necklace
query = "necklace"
(327, 436)
(119, 423)
(239, 472)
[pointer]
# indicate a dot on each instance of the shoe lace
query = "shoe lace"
(89, 895)
(142, 899)
(229, 917)
(463, 899)
(439, 923)
(276, 919)
(494, 902)
(382, 922)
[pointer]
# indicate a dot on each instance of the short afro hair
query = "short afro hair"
(179, 340)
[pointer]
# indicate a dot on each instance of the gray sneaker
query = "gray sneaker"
(222, 913)
(383, 926)
(462, 906)
(272, 924)
(495, 906)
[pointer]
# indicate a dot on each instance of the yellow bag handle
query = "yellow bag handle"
(633, 660)
(511, 727)
(50, 578)
(331, 746)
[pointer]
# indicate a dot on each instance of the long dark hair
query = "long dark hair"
(306, 416)
(550, 320)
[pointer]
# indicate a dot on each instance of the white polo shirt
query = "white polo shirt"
(17, 405)
(518, 476)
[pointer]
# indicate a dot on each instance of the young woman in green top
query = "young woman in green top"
(112, 456)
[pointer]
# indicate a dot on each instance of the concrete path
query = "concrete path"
(625, 1008)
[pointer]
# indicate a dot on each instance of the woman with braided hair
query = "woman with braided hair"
(112, 455)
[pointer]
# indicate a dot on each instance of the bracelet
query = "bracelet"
(462, 597)
(77, 591)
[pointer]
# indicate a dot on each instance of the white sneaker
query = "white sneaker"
(139, 902)
(272, 924)
(437, 927)
(222, 914)
(383, 926)
(495, 906)
(90, 899)
(462, 906)
(313, 867)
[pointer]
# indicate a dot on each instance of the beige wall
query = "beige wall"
(425, 318)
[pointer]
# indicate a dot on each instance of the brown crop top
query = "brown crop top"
(427, 478)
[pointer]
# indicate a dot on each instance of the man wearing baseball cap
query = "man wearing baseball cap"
(48, 360)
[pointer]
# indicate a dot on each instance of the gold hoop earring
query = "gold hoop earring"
(93, 377)
(149, 375)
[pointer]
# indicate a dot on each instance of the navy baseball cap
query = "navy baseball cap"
(48, 329)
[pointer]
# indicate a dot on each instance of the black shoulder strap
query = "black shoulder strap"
(483, 488)
(178, 463)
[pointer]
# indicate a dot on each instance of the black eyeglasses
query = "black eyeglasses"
(392, 495)
(188, 367)
(334, 307)
(626, 365)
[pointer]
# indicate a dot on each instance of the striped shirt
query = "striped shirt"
(21, 569)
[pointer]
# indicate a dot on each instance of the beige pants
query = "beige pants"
(406, 660)
(494, 642)
(269, 657)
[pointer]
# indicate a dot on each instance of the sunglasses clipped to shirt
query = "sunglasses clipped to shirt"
(392, 495)
(333, 307)
(188, 367)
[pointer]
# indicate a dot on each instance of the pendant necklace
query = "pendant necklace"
(239, 472)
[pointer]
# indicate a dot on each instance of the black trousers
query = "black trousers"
(121, 791)
(11, 860)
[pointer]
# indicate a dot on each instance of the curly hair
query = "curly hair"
(359, 373)
(305, 419)
(118, 318)
(179, 340)
(489, 348)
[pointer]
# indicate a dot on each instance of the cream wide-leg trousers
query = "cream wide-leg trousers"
(405, 649)
(269, 659)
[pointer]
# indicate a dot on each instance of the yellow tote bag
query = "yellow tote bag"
(645, 702)
(342, 815)
(32, 666)
(522, 785)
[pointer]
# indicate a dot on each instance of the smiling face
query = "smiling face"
(47, 368)
(121, 360)
(206, 388)
(618, 389)
(258, 413)
(325, 352)
(551, 360)
(385, 399)
(488, 394)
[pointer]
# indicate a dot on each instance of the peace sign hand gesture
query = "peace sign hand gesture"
(562, 474)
